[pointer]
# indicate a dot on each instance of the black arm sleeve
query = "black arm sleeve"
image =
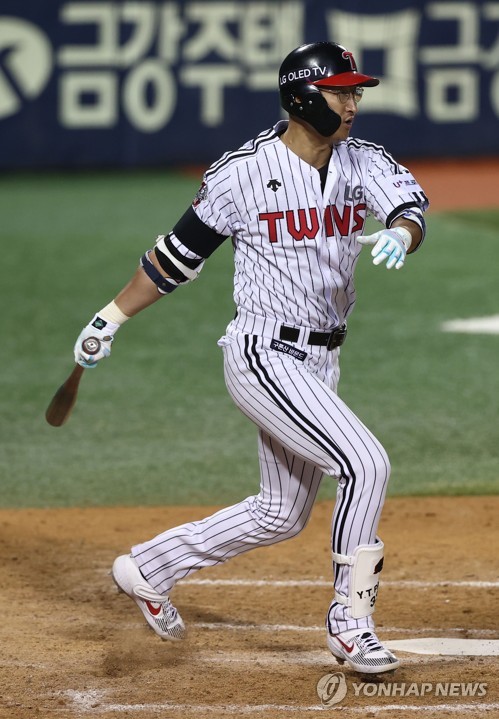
(197, 236)
(398, 211)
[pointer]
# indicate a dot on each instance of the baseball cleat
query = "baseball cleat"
(159, 612)
(362, 651)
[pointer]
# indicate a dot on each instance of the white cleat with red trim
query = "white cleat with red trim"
(362, 651)
(159, 612)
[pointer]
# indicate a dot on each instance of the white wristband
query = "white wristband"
(112, 313)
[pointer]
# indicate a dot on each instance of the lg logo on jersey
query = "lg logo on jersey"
(355, 194)
(304, 223)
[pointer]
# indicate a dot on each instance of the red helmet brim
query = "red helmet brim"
(347, 79)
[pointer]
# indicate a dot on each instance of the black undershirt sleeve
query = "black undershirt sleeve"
(393, 214)
(196, 236)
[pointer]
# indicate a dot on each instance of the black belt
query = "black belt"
(323, 339)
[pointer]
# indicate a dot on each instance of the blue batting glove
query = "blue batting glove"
(390, 246)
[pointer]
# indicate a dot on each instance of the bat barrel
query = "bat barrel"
(64, 399)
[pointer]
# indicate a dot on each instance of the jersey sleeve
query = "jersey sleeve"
(391, 189)
(213, 203)
(210, 218)
(214, 215)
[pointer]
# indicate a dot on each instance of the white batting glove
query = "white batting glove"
(389, 245)
(94, 342)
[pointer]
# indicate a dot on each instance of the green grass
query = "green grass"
(431, 397)
(155, 425)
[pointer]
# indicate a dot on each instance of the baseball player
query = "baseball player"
(294, 201)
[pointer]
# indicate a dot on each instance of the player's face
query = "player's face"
(343, 101)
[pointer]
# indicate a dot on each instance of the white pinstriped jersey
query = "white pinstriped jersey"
(295, 254)
(294, 246)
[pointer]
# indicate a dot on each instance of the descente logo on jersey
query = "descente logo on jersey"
(304, 223)
(273, 185)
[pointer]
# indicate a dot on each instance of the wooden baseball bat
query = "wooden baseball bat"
(64, 399)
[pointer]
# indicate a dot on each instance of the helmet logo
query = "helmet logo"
(349, 56)
(303, 74)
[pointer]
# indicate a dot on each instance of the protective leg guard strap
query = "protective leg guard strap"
(365, 565)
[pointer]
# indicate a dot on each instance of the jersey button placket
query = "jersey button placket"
(330, 254)
(332, 180)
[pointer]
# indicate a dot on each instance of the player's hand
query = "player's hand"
(389, 245)
(94, 342)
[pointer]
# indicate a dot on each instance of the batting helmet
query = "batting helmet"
(308, 68)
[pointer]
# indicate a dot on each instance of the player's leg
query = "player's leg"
(296, 408)
(288, 487)
(350, 627)
(300, 410)
(307, 416)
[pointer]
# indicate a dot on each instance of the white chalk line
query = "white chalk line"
(399, 584)
(94, 701)
(220, 626)
(488, 325)
(328, 583)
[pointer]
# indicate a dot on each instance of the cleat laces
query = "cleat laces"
(368, 642)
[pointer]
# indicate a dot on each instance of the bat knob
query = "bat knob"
(91, 345)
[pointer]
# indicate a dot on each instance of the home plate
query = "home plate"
(449, 647)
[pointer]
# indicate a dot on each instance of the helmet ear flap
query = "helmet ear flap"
(325, 120)
(312, 107)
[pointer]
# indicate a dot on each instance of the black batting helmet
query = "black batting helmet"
(308, 68)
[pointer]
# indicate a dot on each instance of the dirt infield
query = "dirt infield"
(73, 647)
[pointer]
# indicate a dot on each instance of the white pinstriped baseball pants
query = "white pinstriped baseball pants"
(306, 431)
